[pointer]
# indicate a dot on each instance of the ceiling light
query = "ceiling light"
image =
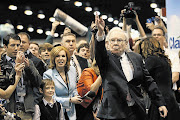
(30, 29)
(77, 3)
(28, 12)
(120, 24)
(116, 22)
(66, 0)
(40, 14)
(88, 9)
(20, 27)
(97, 12)
(153, 5)
(56, 34)
(40, 31)
(48, 32)
(12, 7)
(157, 10)
(110, 19)
(104, 17)
(52, 19)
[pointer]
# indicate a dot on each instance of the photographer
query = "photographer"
(129, 13)
(136, 19)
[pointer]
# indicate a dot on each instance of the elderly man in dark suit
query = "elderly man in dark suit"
(123, 75)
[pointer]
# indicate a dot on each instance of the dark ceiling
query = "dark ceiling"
(48, 7)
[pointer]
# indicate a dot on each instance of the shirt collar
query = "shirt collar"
(27, 52)
(8, 58)
(123, 55)
(50, 104)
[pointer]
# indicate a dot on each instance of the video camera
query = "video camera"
(129, 10)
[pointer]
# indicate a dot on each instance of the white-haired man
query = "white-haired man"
(123, 73)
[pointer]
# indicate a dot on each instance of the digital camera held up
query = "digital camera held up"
(130, 8)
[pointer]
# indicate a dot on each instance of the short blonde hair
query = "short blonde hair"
(46, 82)
(54, 53)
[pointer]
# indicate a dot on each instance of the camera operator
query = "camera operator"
(132, 14)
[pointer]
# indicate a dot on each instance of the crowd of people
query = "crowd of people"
(112, 77)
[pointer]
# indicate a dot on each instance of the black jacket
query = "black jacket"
(115, 84)
(37, 62)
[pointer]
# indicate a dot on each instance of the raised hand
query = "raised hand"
(100, 25)
(20, 57)
(55, 24)
(150, 26)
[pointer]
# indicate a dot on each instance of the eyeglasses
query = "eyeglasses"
(116, 40)
(157, 35)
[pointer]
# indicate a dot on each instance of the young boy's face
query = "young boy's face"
(48, 90)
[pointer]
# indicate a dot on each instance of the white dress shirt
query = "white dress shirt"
(126, 67)
(37, 113)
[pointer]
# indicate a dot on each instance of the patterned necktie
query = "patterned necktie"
(74, 64)
(12, 62)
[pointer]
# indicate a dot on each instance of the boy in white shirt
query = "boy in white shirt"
(48, 108)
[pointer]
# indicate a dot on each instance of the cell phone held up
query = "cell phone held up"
(150, 20)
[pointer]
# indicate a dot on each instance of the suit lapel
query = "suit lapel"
(118, 66)
(58, 77)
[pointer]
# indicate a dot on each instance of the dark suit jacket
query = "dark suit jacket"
(41, 69)
(160, 70)
(115, 85)
(82, 62)
(31, 78)
(37, 62)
